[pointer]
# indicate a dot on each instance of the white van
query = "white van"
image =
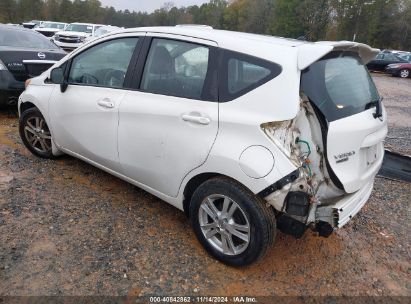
(243, 132)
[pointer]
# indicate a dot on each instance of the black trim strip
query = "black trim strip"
(280, 183)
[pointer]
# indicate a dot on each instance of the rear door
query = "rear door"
(377, 63)
(342, 90)
(168, 125)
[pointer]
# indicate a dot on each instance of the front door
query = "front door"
(85, 116)
(168, 126)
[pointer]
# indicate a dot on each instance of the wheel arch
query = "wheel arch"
(196, 181)
(24, 106)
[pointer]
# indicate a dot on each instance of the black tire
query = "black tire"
(404, 73)
(26, 119)
(261, 220)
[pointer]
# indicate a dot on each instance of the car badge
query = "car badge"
(41, 55)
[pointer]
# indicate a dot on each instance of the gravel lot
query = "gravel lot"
(67, 228)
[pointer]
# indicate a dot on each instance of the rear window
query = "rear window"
(243, 73)
(339, 85)
(53, 25)
(25, 39)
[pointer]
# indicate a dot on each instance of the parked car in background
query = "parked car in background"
(102, 31)
(245, 133)
(74, 35)
(32, 24)
(24, 54)
(380, 62)
(49, 28)
(399, 69)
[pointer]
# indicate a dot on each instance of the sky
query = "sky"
(147, 5)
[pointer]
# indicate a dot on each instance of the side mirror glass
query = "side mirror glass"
(57, 76)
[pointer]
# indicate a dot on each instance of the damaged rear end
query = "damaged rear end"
(335, 141)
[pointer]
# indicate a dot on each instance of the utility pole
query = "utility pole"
(358, 18)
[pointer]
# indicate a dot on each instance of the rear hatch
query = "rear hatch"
(353, 120)
(37, 61)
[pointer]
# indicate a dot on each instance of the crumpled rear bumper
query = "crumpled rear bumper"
(339, 213)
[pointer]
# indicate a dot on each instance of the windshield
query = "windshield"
(339, 85)
(84, 28)
(26, 39)
(53, 25)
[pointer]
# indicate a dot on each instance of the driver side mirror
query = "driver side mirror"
(57, 77)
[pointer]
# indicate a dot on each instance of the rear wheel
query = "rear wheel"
(232, 224)
(35, 133)
(404, 73)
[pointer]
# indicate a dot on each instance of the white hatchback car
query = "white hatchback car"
(244, 133)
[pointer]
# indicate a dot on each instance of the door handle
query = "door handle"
(106, 103)
(202, 120)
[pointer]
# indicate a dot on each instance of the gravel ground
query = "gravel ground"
(67, 228)
(397, 99)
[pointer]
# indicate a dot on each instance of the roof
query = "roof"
(83, 23)
(307, 52)
(208, 33)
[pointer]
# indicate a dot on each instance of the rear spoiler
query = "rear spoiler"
(309, 53)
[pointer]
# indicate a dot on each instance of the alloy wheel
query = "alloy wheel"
(38, 134)
(224, 224)
(404, 73)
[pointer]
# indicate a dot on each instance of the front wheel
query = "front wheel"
(232, 224)
(35, 133)
(404, 73)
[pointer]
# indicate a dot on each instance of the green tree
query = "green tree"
(380, 23)
(286, 20)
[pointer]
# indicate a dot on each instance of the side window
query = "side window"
(103, 65)
(390, 57)
(243, 73)
(379, 56)
(176, 68)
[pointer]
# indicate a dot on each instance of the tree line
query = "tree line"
(384, 24)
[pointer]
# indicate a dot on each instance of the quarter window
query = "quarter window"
(242, 73)
(176, 68)
(103, 65)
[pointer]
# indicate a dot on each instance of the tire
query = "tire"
(404, 73)
(35, 133)
(243, 245)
